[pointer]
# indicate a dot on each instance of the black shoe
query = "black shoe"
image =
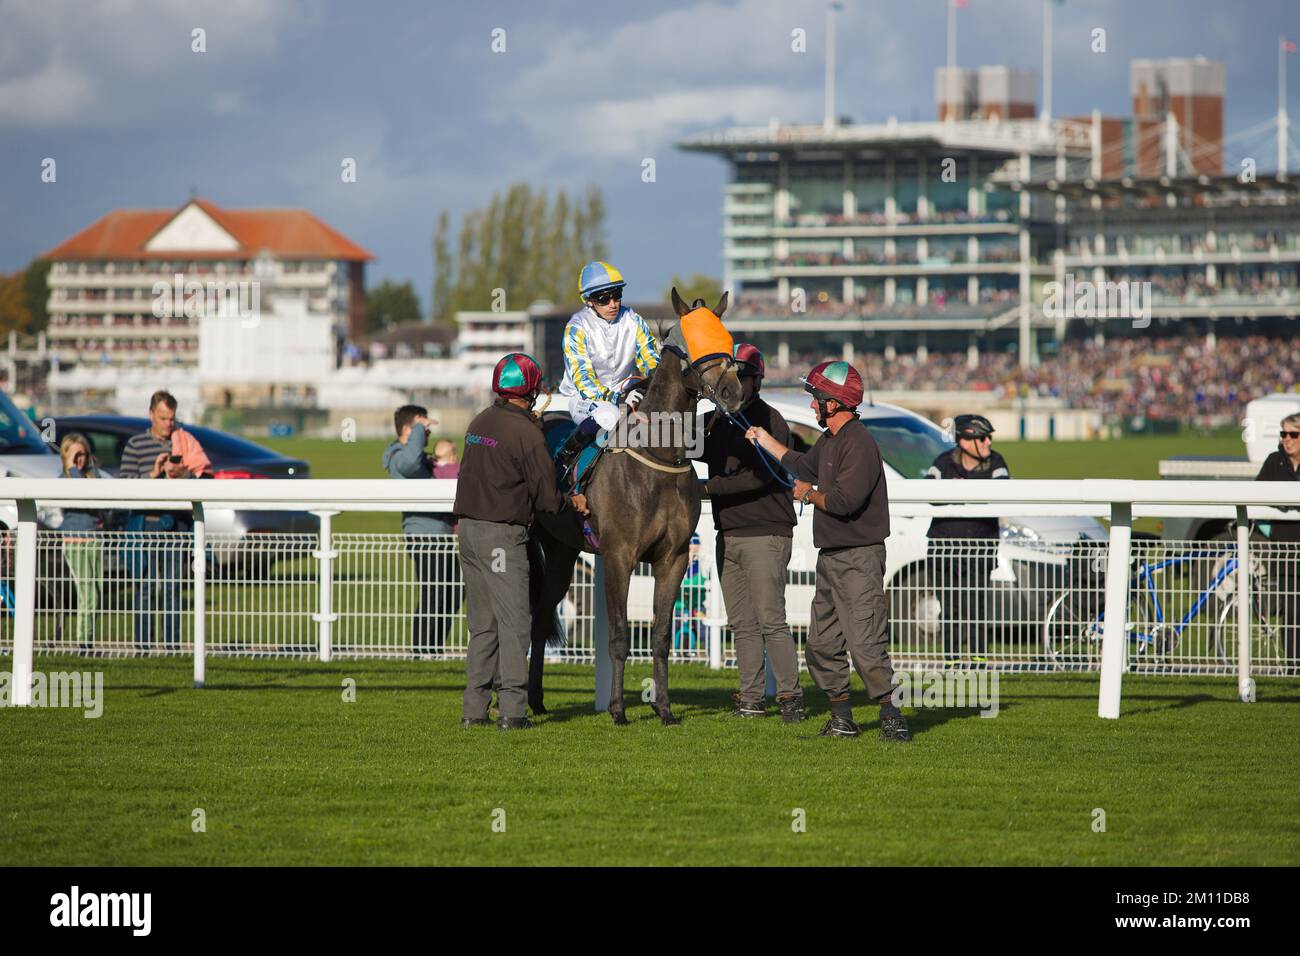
(571, 449)
(792, 711)
(748, 708)
(467, 722)
(895, 728)
(839, 727)
(514, 723)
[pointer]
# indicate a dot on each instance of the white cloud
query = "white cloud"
(633, 90)
(126, 60)
(53, 94)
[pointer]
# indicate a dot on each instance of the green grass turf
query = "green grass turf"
(288, 773)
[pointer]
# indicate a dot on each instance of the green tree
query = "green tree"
(698, 286)
(441, 273)
(521, 242)
(391, 304)
(14, 315)
(36, 293)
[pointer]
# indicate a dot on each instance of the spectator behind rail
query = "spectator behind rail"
(156, 547)
(1284, 540)
(437, 567)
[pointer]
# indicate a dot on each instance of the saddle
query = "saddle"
(557, 432)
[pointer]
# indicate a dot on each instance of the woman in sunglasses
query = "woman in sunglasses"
(1284, 539)
(606, 345)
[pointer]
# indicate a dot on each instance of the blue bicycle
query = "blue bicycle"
(1075, 620)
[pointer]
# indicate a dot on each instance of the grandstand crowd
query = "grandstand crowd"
(1198, 380)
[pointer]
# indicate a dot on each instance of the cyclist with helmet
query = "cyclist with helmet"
(606, 347)
(505, 478)
(960, 570)
(843, 478)
(754, 517)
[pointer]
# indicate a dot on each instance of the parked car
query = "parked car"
(232, 458)
(1032, 553)
(24, 454)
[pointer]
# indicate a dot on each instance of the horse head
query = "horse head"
(713, 373)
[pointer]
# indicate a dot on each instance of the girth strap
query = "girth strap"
(650, 462)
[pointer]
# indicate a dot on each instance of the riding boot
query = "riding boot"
(572, 448)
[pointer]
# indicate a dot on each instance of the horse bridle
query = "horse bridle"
(695, 368)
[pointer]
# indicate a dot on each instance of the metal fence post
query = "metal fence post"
(1115, 636)
(325, 555)
(1243, 607)
(715, 618)
(715, 614)
(200, 595)
(25, 612)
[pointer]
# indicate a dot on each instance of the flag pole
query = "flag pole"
(1281, 108)
(1047, 62)
(828, 121)
(952, 36)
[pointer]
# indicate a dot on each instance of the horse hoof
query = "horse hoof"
(669, 720)
(620, 720)
(537, 708)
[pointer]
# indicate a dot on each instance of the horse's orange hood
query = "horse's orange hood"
(704, 334)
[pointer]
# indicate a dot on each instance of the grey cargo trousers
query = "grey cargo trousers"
(753, 572)
(494, 562)
(850, 620)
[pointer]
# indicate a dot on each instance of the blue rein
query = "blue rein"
(736, 418)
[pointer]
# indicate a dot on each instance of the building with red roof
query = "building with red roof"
(132, 288)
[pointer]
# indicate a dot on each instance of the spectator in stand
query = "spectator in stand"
(1283, 548)
(428, 535)
(79, 534)
(157, 548)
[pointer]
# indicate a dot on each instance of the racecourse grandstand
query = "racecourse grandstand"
(1200, 381)
(958, 236)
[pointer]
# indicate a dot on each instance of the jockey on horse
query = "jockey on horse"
(608, 347)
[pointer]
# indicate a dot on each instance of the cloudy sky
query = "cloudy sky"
(582, 94)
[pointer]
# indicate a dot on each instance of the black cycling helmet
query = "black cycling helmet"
(972, 426)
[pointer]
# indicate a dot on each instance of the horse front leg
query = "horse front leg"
(668, 572)
(618, 576)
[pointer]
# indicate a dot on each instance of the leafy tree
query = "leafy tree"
(441, 272)
(698, 286)
(522, 243)
(391, 304)
(14, 314)
(36, 293)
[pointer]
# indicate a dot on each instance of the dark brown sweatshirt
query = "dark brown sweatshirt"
(506, 474)
(846, 468)
(747, 500)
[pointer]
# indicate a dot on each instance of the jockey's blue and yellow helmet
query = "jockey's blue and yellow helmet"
(598, 276)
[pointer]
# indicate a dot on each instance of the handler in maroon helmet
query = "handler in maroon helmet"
(506, 477)
(843, 479)
(754, 518)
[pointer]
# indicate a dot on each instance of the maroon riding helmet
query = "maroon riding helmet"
(517, 374)
(837, 380)
(750, 359)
